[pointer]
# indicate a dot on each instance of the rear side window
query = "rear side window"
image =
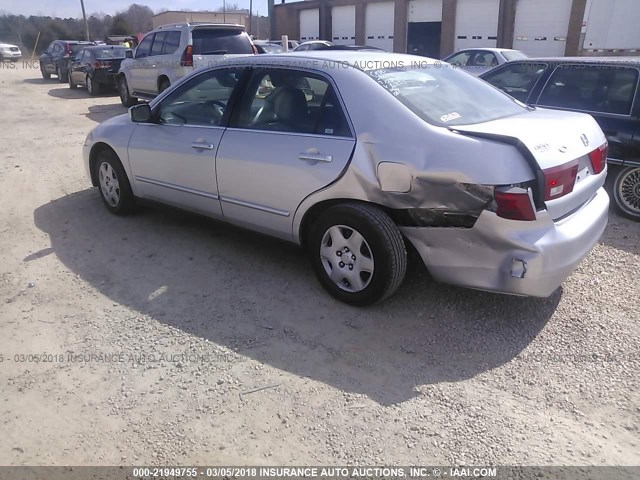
(446, 96)
(517, 80)
(208, 41)
(171, 43)
(593, 88)
(460, 60)
(158, 42)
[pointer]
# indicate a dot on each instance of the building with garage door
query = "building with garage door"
(437, 28)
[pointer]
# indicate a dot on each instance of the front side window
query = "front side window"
(517, 79)
(593, 88)
(292, 101)
(484, 59)
(446, 96)
(460, 60)
(144, 49)
(202, 101)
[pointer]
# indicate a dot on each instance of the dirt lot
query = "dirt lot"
(144, 339)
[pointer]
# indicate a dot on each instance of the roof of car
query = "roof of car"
(488, 49)
(200, 24)
(634, 60)
(360, 59)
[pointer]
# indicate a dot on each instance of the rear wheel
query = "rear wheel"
(93, 87)
(357, 253)
(164, 84)
(125, 98)
(113, 184)
(626, 192)
(63, 77)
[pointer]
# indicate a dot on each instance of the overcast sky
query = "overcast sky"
(71, 8)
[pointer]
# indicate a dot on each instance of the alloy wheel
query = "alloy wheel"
(629, 190)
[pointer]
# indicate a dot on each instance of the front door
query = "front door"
(289, 138)
(173, 158)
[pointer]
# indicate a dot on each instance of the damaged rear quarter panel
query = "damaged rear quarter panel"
(438, 160)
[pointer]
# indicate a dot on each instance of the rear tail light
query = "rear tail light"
(187, 57)
(599, 158)
(560, 180)
(514, 204)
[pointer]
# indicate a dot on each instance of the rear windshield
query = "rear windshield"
(514, 55)
(76, 47)
(446, 96)
(220, 42)
(116, 52)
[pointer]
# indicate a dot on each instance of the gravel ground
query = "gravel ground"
(175, 339)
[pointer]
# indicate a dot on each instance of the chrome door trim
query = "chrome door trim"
(255, 206)
(176, 187)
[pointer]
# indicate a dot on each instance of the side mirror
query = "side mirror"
(128, 54)
(140, 113)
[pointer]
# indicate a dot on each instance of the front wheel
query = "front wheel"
(357, 253)
(72, 85)
(626, 192)
(44, 73)
(63, 77)
(113, 184)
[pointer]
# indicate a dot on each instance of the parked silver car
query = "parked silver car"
(480, 60)
(493, 195)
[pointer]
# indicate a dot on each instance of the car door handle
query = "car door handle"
(203, 146)
(315, 157)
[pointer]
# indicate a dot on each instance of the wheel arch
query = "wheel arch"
(314, 212)
(96, 150)
(161, 79)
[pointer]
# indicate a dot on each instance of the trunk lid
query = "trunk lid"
(554, 141)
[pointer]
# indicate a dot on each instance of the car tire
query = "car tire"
(375, 249)
(626, 192)
(45, 75)
(93, 87)
(164, 84)
(72, 85)
(113, 184)
(62, 77)
(125, 98)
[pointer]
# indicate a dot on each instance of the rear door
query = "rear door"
(173, 158)
(289, 138)
(606, 92)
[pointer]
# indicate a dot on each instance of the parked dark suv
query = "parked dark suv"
(606, 88)
(55, 59)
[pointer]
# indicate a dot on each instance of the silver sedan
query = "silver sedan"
(356, 155)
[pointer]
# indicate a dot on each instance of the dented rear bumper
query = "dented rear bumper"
(507, 256)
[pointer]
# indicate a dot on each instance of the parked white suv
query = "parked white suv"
(171, 52)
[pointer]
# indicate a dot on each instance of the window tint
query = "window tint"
(291, 101)
(144, 48)
(171, 43)
(76, 47)
(460, 60)
(445, 96)
(207, 41)
(517, 80)
(594, 88)
(158, 43)
(201, 101)
(115, 52)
